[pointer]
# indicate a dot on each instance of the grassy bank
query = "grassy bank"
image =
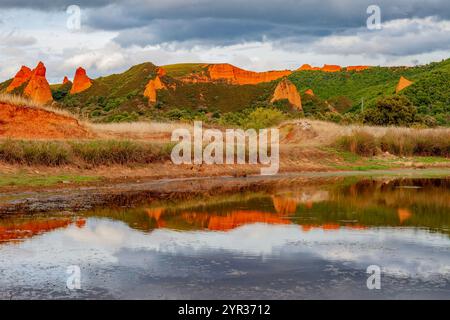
(42, 180)
(400, 142)
(82, 153)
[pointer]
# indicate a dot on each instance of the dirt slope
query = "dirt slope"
(34, 123)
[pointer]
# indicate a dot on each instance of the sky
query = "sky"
(256, 35)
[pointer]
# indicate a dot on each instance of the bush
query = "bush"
(394, 110)
(263, 118)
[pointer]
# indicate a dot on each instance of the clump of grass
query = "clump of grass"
(100, 152)
(359, 142)
(34, 153)
(411, 142)
(94, 153)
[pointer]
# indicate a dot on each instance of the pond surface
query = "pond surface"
(290, 239)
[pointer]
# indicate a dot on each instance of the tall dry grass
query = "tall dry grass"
(88, 152)
(21, 101)
(398, 141)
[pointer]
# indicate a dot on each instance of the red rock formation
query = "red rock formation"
(239, 76)
(402, 84)
(357, 68)
(151, 88)
(81, 81)
(310, 92)
(331, 68)
(20, 78)
(66, 80)
(161, 72)
(287, 90)
(38, 88)
(305, 67)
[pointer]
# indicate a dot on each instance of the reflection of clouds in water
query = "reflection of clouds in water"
(410, 252)
(416, 253)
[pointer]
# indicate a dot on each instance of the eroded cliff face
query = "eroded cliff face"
(357, 68)
(402, 84)
(22, 76)
(287, 90)
(81, 81)
(235, 75)
(38, 88)
(331, 68)
(65, 80)
(152, 87)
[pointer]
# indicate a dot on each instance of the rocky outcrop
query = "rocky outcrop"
(307, 67)
(65, 80)
(310, 92)
(357, 68)
(287, 90)
(331, 68)
(81, 81)
(151, 88)
(402, 84)
(38, 88)
(20, 78)
(234, 75)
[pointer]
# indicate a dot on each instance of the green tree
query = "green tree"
(393, 110)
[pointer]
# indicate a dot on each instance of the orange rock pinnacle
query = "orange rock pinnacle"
(287, 90)
(38, 88)
(81, 81)
(20, 78)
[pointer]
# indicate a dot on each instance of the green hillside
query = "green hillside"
(430, 91)
(118, 97)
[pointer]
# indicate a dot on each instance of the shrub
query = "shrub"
(263, 118)
(394, 110)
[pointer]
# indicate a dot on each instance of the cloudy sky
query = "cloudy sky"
(253, 34)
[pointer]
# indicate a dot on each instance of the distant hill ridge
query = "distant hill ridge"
(147, 90)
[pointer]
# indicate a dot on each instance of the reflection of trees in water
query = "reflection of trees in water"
(329, 206)
(365, 203)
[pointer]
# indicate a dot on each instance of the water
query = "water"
(287, 239)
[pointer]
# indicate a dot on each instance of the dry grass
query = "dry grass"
(397, 141)
(82, 153)
(21, 101)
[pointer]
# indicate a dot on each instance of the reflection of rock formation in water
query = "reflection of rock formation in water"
(11, 231)
(288, 204)
(403, 214)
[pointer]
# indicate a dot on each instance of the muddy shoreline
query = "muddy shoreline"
(128, 194)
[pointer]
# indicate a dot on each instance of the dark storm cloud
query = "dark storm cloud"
(218, 22)
(52, 4)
